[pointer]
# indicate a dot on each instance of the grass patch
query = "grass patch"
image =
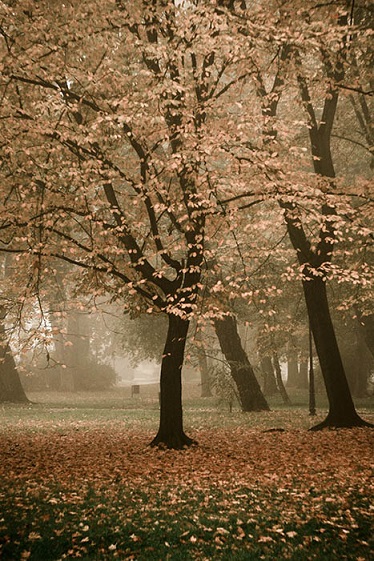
(179, 523)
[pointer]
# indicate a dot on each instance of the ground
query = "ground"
(78, 480)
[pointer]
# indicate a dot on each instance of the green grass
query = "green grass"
(243, 529)
(117, 405)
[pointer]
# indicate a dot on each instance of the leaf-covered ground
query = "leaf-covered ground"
(96, 490)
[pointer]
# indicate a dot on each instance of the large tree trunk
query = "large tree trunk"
(250, 394)
(342, 412)
(11, 389)
(170, 433)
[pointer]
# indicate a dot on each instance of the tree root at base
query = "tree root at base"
(333, 423)
(173, 442)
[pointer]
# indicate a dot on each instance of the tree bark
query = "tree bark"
(270, 383)
(170, 433)
(250, 394)
(206, 390)
(278, 373)
(11, 389)
(342, 412)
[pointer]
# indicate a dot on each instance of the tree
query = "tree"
(271, 362)
(314, 261)
(10, 385)
(356, 356)
(270, 384)
(367, 322)
(315, 256)
(206, 382)
(292, 364)
(223, 305)
(249, 391)
(11, 389)
(114, 136)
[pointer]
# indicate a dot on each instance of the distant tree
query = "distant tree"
(141, 337)
(248, 389)
(11, 389)
(224, 385)
(10, 384)
(200, 356)
(206, 382)
(292, 364)
(367, 323)
(270, 384)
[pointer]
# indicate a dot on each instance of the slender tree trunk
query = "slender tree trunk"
(358, 363)
(55, 374)
(292, 366)
(367, 325)
(78, 352)
(206, 390)
(250, 394)
(170, 433)
(312, 385)
(278, 373)
(303, 374)
(270, 383)
(342, 412)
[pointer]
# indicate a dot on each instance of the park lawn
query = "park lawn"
(81, 482)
